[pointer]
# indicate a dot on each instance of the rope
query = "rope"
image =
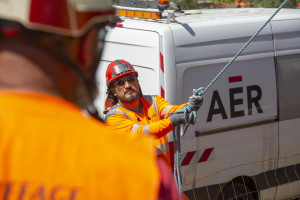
(190, 116)
(244, 47)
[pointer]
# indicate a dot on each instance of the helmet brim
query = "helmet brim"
(120, 76)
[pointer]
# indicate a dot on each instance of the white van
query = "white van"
(246, 142)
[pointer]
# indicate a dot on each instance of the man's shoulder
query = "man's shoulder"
(116, 110)
(151, 99)
(148, 98)
(111, 112)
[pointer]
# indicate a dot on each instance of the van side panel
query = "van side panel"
(246, 92)
(229, 120)
(206, 41)
(236, 130)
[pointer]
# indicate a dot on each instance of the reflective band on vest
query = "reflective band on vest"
(162, 148)
(121, 112)
(166, 110)
(152, 101)
(146, 129)
(135, 127)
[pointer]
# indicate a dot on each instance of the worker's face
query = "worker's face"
(126, 89)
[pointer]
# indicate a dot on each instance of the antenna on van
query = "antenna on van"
(171, 13)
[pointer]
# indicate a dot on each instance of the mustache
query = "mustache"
(129, 90)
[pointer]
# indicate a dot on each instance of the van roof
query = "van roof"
(230, 15)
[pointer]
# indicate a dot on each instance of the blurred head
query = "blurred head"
(122, 82)
(71, 31)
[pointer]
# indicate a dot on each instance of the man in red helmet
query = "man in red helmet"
(142, 115)
(49, 147)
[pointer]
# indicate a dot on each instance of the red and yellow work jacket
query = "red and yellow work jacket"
(154, 120)
(50, 149)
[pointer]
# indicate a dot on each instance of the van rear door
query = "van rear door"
(138, 47)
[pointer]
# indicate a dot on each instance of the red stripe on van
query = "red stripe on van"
(234, 79)
(162, 92)
(206, 155)
(187, 159)
(119, 25)
(162, 67)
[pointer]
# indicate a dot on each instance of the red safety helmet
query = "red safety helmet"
(117, 69)
(63, 17)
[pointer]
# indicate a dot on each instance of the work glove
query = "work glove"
(177, 118)
(195, 102)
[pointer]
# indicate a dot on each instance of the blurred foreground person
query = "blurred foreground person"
(49, 147)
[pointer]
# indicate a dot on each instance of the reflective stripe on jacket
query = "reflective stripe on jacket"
(50, 149)
(154, 121)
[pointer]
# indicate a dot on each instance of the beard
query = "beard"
(131, 97)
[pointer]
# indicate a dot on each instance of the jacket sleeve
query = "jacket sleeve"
(121, 121)
(165, 108)
(123, 124)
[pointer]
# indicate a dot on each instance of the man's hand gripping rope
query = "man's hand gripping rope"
(181, 120)
(187, 115)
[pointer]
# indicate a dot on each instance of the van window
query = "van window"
(288, 86)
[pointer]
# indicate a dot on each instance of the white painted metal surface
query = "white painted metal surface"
(141, 49)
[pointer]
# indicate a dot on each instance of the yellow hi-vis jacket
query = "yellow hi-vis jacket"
(51, 150)
(153, 121)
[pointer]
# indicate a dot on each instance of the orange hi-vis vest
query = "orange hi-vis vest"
(51, 150)
(153, 121)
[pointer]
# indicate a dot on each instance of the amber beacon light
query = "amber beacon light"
(138, 13)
